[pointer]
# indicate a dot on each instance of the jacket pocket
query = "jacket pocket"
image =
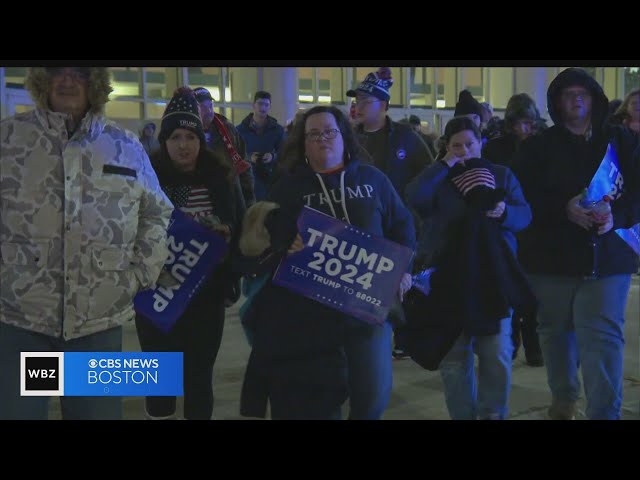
(33, 254)
(23, 288)
(111, 203)
(113, 284)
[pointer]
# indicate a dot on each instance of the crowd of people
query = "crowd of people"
(493, 207)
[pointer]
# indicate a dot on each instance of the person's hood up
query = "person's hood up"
(37, 83)
(577, 77)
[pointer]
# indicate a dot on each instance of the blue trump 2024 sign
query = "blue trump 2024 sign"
(344, 267)
(136, 374)
(608, 180)
(194, 251)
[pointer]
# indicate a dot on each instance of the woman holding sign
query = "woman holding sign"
(307, 358)
(200, 184)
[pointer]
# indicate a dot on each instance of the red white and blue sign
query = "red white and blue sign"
(344, 267)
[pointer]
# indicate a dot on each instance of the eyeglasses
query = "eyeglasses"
(75, 73)
(365, 102)
(329, 134)
(573, 95)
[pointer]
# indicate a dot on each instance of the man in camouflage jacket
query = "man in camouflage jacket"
(82, 229)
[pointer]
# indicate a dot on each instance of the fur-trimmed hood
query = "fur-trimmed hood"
(37, 83)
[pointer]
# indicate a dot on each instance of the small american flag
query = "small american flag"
(474, 177)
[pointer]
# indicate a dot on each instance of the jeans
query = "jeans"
(581, 325)
(524, 331)
(369, 364)
(490, 398)
(14, 340)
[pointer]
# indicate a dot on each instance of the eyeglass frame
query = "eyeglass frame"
(569, 95)
(72, 72)
(366, 101)
(327, 134)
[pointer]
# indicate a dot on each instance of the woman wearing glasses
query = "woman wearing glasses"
(308, 358)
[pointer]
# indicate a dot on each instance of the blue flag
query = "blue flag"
(608, 180)
(194, 251)
(344, 267)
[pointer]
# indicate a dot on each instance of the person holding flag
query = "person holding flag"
(579, 265)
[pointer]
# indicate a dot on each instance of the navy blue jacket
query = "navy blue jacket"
(269, 141)
(440, 206)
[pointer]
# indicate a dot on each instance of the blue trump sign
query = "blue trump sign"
(194, 251)
(344, 267)
(123, 374)
(608, 180)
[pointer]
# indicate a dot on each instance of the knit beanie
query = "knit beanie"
(376, 84)
(467, 105)
(181, 112)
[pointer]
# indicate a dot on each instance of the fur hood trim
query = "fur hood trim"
(37, 83)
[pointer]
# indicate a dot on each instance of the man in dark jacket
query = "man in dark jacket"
(263, 137)
(395, 148)
(580, 268)
(217, 129)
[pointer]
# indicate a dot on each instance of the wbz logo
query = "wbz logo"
(41, 373)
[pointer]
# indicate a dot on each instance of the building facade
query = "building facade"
(141, 93)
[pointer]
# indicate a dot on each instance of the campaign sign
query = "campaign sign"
(194, 251)
(98, 374)
(608, 180)
(343, 267)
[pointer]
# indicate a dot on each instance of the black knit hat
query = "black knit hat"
(181, 112)
(467, 105)
(414, 120)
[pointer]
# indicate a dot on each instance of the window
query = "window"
(14, 77)
(305, 85)
(631, 78)
(125, 82)
(241, 84)
(420, 86)
(500, 86)
(473, 82)
(207, 77)
(156, 82)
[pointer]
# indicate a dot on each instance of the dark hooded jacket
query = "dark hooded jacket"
(557, 165)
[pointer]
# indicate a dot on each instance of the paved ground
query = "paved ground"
(417, 393)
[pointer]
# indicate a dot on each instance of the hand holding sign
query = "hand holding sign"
(405, 285)
(296, 246)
